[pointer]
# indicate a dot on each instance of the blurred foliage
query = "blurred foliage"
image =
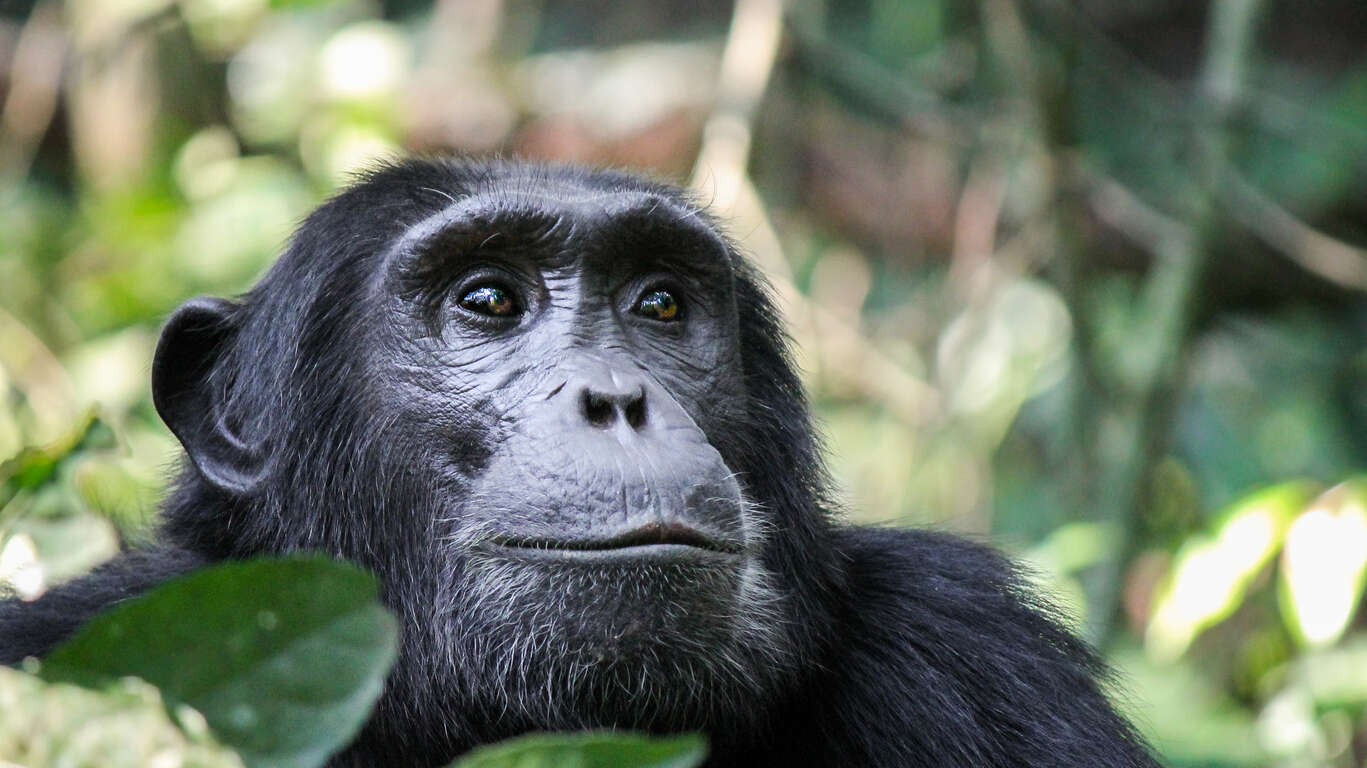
(1084, 277)
(123, 726)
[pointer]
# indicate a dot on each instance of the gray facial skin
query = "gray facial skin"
(593, 338)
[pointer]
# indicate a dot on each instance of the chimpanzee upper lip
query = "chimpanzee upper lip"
(650, 534)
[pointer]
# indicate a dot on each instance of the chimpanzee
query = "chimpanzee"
(553, 410)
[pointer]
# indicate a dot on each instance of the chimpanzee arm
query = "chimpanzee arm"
(32, 628)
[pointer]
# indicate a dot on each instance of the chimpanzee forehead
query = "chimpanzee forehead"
(566, 214)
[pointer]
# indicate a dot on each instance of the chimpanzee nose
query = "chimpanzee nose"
(605, 404)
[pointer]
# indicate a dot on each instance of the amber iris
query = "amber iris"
(658, 305)
(489, 300)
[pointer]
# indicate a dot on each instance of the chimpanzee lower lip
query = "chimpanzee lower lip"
(642, 538)
(661, 553)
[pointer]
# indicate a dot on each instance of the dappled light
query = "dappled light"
(1211, 576)
(1324, 564)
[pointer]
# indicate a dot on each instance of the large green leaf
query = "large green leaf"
(284, 658)
(590, 750)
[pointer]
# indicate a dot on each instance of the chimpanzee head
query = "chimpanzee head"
(552, 409)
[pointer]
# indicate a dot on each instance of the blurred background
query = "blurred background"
(1085, 279)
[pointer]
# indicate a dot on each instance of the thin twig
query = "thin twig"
(746, 66)
(720, 172)
(1169, 298)
(1327, 257)
(35, 81)
(1144, 225)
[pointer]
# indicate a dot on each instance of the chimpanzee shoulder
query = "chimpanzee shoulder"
(946, 655)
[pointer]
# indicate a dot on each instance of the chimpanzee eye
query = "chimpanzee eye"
(657, 305)
(492, 300)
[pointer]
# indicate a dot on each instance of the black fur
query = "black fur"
(338, 407)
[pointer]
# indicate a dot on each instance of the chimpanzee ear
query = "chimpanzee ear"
(192, 403)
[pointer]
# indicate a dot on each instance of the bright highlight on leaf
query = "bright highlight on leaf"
(364, 60)
(20, 568)
(1211, 576)
(1324, 565)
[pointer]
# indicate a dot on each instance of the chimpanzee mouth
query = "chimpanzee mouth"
(650, 541)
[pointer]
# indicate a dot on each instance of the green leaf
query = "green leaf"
(34, 467)
(590, 750)
(284, 658)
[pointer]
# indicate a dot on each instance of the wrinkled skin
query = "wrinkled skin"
(552, 410)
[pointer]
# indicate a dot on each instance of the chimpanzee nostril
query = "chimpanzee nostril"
(603, 409)
(636, 410)
(598, 410)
